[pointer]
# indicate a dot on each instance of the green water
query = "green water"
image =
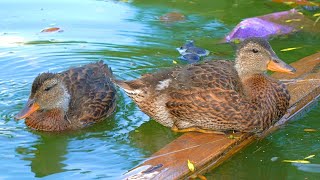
(129, 37)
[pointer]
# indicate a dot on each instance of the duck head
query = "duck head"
(255, 55)
(48, 92)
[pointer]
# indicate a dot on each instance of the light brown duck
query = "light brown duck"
(70, 100)
(216, 95)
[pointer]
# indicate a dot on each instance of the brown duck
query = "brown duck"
(70, 100)
(216, 95)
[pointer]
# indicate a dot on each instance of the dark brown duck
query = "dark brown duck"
(70, 100)
(216, 95)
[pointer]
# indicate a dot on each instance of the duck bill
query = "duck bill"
(28, 109)
(278, 65)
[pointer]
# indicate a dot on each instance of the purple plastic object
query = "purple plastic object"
(262, 26)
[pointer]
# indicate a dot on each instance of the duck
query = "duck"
(70, 100)
(216, 96)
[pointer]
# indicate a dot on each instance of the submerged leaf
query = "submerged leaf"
(316, 14)
(190, 166)
(290, 49)
(309, 130)
(311, 156)
(297, 161)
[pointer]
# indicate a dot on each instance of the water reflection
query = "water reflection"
(48, 154)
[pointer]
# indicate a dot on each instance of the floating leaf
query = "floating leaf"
(297, 161)
(288, 3)
(311, 156)
(232, 137)
(190, 166)
(236, 41)
(316, 14)
(290, 49)
(292, 20)
(309, 130)
(51, 29)
(174, 62)
(136, 131)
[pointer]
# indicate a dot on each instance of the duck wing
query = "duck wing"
(208, 95)
(93, 95)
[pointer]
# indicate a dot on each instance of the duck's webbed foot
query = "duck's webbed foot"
(196, 129)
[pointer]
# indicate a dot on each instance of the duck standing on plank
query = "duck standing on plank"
(70, 100)
(216, 96)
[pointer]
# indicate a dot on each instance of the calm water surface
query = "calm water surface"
(128, 36)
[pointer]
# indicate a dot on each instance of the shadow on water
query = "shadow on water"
(48, 153)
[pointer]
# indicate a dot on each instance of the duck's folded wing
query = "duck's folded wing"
(93, 93)
(216, 109)
(208, 75)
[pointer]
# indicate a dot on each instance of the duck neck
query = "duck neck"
(245, 69)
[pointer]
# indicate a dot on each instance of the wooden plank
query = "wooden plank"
(207, 151)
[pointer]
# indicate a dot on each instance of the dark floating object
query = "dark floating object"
(191, 53)
(190, 58)
(311, 8)
(172, 17)
(70, 100)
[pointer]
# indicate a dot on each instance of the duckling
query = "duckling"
(72, 99)
(216, 96)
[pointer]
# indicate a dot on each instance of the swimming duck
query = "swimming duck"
(70, 100)
(216, 96)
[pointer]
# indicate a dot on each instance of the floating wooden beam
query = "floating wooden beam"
(207, 151)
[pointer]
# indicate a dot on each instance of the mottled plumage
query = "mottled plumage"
(72, 99)
(216, 95)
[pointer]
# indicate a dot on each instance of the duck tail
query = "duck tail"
(130, 87)
(107, 70)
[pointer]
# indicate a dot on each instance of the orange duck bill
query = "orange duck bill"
(28, 109)
(275, 64)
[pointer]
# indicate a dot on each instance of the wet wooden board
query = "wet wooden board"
(207, 151)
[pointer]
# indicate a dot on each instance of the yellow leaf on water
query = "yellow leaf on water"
(297, 161)
(311, 156)
(236, 41)
(316, 14)
(292, 20)
(309, 130)
(290, 49)
(288, 2)
(174, 62)
(190, 166)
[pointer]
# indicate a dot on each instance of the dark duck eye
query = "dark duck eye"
(49, 87)
(255, 50)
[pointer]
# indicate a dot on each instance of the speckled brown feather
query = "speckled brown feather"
(93, 99)
(209, 95)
